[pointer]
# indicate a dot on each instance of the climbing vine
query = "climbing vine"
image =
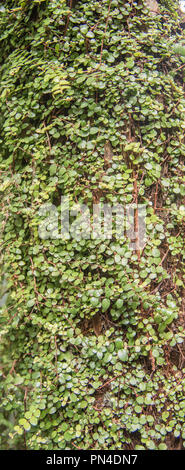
(92, 332)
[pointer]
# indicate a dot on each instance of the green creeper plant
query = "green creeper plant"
(92, 331)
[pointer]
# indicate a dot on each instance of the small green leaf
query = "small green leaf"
(30, 303)
(33, 420)
(119, 303)
(26, 425)
(105, 304)
(94, 301)
(18, 430)
(123, 355)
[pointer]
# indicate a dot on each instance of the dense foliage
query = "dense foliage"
(92, 332)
